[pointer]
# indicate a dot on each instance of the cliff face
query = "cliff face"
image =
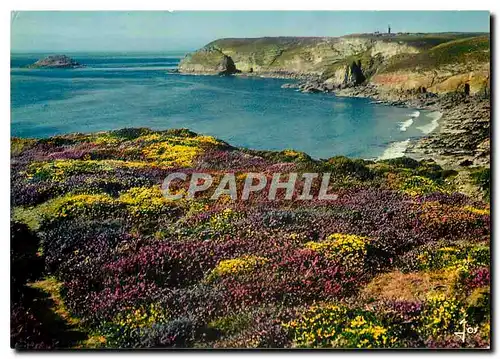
(438, 62)
(346, 76)
(209, 60)
(444, 68)
(300, 56)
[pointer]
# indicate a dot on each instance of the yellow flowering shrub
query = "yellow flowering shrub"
(365, 333)
(158, 137)
(236, 266)
(456, 257)
(348, 248)
(142, 316)
(440, 315)
(170, 155)
(18, 145)
(194, 207)
(331, 325)
(221, 222)
(59, 169)
(106, 138)
(173, 151)
(318, 326)
(93, 205)
(151, 138)
(479, 211)
(292, 155)
(144, 201)
(418, 185)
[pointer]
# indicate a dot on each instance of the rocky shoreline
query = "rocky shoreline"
(462, 134)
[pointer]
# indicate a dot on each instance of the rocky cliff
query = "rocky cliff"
(448, 67)
(436, 62)
(293, 55)
(209, 60)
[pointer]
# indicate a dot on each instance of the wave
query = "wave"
(415, 114)
(403, 126)
(431, 126)
(395, 150)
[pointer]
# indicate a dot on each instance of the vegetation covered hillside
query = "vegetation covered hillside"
(442, 68)
(399, 259)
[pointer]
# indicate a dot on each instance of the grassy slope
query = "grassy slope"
(463, 51)
(420, 40)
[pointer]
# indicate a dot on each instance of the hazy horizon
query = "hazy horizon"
(27, 52)
(161, 31)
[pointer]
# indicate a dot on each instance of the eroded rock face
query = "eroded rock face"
(440, 64)
(208, 60)
(227, 66)
(56, 62)
(300, 56)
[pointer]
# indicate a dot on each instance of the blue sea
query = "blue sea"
(136, 90)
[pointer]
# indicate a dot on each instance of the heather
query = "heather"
(396, 261)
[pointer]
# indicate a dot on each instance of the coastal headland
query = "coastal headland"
(444, 72)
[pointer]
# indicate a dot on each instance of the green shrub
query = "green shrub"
(344, 166)
(232, 324)
(482, 179)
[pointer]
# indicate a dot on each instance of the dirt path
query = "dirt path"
(64, 329)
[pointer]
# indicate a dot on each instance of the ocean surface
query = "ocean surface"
(136, 90)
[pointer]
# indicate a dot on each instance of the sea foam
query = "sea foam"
(403, 126)
(395, 150)
(415, 114)
(431, 126)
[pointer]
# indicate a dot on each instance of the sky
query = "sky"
(108, 31)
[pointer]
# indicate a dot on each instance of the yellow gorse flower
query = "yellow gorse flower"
(347, 248)
(479, 211)
(236, 266)
(144, 200)
(142, 316)
(328, 325)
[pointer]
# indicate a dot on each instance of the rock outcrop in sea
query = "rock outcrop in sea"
(56, 62)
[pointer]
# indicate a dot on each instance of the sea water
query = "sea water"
(137, 90)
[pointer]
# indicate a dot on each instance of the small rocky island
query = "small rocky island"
(55, 62)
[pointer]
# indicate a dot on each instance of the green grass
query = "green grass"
(68, 329)
(463, 51)
(29, 216)
(421, 41)
(64, 329)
